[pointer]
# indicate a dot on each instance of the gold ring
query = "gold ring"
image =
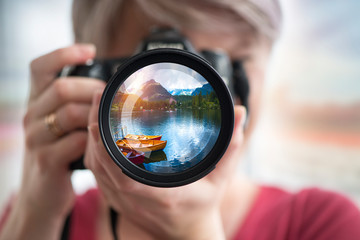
(52, 125)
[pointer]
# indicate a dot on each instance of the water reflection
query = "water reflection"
(157, 156)
(190, 135)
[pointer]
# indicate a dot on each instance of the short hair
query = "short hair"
(94, 21)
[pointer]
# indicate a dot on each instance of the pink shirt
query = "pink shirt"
(275, 215)
(309, 214)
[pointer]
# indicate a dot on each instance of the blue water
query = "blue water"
(190, 135)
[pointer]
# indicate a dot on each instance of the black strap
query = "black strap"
(66, 230)
(113, 221)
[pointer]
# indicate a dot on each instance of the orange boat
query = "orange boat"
(142, 145)
(142, 137)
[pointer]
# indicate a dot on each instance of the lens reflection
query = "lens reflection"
(165, 118)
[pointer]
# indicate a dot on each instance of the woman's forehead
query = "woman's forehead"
(235, 44)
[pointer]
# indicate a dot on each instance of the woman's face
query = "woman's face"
(253, 51)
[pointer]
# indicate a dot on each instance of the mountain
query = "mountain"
(177, 92)
(204, 90)
(154, 91)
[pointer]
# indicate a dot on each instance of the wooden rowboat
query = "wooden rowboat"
(134, 156)
(141, 145)
(142, 137)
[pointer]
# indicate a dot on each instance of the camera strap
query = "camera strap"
(113, 221)
(66, 229)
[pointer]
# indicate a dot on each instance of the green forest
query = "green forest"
(209, 101)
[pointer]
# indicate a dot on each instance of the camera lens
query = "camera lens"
(166, 117)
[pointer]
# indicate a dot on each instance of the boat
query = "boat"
(141, 145)
(136, 157)
(143, 137)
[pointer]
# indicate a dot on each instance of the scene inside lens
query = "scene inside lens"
(165, 118)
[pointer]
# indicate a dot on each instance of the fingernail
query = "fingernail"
(89, 50)
(243, 116)
(93, 130)
(240, 117)
(97, 97)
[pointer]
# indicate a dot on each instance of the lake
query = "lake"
(190, 135)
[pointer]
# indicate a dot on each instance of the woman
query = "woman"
(220, 206)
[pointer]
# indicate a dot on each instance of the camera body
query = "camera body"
(232, 72)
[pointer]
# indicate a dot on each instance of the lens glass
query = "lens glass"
(165, 118)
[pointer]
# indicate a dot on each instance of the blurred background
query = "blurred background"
(309, 131)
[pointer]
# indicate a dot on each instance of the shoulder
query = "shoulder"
(326, 215)
(309, 214)
(324, 205)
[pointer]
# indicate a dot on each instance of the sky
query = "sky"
(170, 75)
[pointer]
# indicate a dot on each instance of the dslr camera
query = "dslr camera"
(166, 115)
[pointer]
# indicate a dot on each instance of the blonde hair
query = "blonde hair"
(263, 17)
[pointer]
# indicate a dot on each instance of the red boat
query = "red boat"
(136, 157)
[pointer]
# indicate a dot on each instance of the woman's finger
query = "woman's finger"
(73, 116)
(107, 187)
(63, 91)
(60, 154)
(230, 159)
(95, 104)
(68, 118)
(45, 68)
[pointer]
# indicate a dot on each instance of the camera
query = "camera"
(166, 115)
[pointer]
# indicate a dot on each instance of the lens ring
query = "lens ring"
(191, 61)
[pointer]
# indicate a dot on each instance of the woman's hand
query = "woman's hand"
(46, 195)
(187, 212)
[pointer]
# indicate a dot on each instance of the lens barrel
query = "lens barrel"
(166, 117)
